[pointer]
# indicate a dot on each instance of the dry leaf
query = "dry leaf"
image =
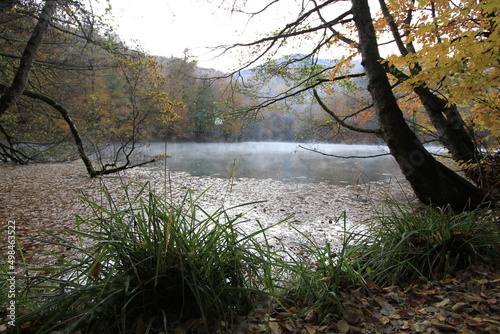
(97, 269)
(459, 307)
(274, 328)
(442, 303)
(444, 327)
(440, 317)
(311, 329)
(343, 326)
(141, 326)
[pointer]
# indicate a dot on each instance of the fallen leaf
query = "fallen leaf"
(274, 327)
(141, 326)
(444, 327)
(440, 317)
(353, 316)
(459, 307)
(406, 325)
(471, 297)
(97, 269)
(442, 303)
(343, 326)
(289, 326)
(491, 321)
(311, 329)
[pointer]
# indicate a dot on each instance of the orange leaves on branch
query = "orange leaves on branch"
(486, 112)
(343, 66)
(365, 116)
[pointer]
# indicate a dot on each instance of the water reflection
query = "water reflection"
(279, 161)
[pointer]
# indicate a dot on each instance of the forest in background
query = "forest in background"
(118, 95)
(70, 88)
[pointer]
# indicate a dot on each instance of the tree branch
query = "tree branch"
(394, 29)
(290, 30)
(297, 89)
(341, 122)
(74, 131)
(333, 31)
(76, 136)
(345, 157)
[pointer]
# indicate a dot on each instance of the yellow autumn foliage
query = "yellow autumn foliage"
(458, 53)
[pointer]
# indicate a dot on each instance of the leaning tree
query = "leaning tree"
(429, 65)
(67, 82)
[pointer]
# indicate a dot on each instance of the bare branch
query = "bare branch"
(333, 31)
(234, 10)
(290, 30)
(345, 157)
(299, 88)
(341, 122)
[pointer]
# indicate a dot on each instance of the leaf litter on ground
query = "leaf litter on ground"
(45, 196)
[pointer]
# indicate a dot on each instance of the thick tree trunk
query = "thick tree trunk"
(432, 181)
(20, 81)
(452, 130)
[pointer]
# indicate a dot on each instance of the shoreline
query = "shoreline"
(45, 196)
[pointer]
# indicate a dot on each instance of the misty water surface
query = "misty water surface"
(279, 161)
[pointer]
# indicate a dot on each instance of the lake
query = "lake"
(286, 162)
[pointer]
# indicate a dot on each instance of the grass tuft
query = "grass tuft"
(146, 264)
(419, 241)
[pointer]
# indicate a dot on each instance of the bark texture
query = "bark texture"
(432, 181)
(452, 130)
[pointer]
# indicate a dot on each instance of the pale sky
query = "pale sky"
(168, 27)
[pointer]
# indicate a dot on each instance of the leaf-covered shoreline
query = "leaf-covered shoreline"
(46, 196)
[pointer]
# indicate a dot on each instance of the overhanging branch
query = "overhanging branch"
(340, 121)
(297, 89)
(343, 156)
(76, 135)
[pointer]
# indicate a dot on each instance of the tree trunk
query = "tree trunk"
(15, 90)
(72, 127)
(450, 126)
(432, 182)
(78, 139)
(452, 130)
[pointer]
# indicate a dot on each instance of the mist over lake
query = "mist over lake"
(286, 162)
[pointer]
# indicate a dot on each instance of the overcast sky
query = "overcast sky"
(168, 27)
